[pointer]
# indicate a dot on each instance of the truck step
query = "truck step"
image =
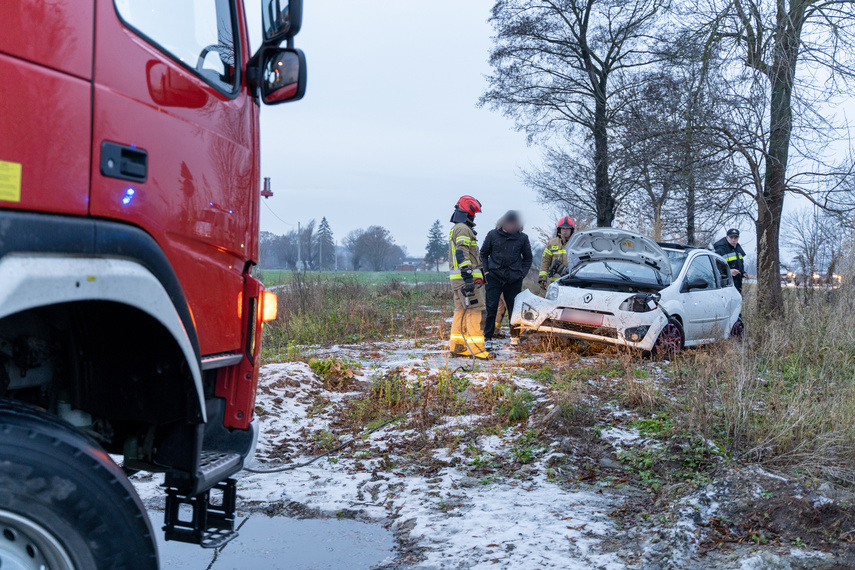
(215, 466)
(210, 525)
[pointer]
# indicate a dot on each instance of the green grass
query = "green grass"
(324, 308)
(273, 277)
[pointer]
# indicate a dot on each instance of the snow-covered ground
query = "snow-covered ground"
(455, 521)
(412, 480)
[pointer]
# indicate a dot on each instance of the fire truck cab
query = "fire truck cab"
(130, 320)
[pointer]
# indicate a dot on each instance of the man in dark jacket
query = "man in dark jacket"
(728, 247)
(506, 255)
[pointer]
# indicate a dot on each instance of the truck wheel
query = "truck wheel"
(671, 339)
(64, 504)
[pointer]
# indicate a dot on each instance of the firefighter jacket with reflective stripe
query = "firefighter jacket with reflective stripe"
(555, 251)
(463, 254)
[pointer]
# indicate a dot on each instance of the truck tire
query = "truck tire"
(64, 504)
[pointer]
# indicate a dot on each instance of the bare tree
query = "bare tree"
(378, 246)
(784, 151)
(554, 63)
(817, 239)
(352, 245)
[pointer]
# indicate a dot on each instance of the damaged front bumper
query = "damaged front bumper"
(603, 324)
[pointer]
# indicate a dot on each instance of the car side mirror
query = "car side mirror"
(280, 20)
(283, 75)
(694, 284)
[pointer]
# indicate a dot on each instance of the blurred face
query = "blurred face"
(566, 232)
(511, 227)
(732, 240)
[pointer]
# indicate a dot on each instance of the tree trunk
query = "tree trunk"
(770, 301)
(603, 190)
(657, 222)
(690, 209)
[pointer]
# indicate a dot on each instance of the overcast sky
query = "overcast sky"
(388, 133)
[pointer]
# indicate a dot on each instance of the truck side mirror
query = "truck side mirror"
(281, 19)
(283, 76)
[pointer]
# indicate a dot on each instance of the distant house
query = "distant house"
(406, 267)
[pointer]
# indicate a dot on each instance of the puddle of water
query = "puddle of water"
(273, 543)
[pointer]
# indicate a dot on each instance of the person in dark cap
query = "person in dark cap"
(506, 254)
(728, 247)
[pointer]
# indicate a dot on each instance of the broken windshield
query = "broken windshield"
(618, 270)
(677, 259)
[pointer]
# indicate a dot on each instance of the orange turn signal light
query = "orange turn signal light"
(268, 306)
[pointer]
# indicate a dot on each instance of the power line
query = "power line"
(275, 216)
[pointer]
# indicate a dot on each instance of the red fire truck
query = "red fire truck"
(130, 320)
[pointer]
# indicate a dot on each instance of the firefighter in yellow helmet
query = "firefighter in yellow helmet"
(467, 280)
(554, 262)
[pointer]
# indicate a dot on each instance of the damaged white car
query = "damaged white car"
(623, 288)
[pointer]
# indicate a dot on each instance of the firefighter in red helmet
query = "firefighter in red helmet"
(467, 280)
(554, 261)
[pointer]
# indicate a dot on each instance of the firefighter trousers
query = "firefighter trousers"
(467, 333)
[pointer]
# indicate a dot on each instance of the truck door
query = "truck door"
(45, 105)
(174, 145)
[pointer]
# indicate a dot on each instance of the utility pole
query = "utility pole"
(299, 246)
(320, 254)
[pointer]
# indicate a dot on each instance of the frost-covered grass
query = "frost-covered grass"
(786, 396)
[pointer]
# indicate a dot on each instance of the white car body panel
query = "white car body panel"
(614, 243)
(706, 315)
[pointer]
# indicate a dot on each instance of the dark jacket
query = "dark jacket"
(505, 256)
(734, 257)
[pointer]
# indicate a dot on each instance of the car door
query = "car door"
(174, 132)
(731, 300)
(702, 306)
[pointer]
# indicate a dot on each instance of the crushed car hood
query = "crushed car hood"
(606, 244)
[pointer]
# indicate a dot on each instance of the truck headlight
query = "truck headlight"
(641, 303)
(552, 293)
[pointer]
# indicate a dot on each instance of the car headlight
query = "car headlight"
(635, 334)
(528, 312)
(552, 293)
(641, 303)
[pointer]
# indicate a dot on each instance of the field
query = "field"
(737, 455)
(274, 277)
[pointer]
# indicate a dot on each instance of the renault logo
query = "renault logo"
(587, 298)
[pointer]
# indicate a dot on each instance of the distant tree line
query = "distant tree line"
(313, 247)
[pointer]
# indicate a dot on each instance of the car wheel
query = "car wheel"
(64, 504)
(738, 329)
(671, 339)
